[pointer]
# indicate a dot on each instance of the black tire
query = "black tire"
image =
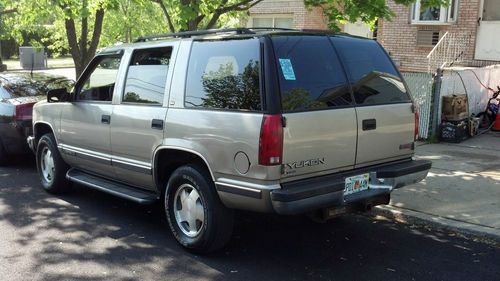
(4, 158)
(216, 229)
(56, 183)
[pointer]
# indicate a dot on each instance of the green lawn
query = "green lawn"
(51, 63)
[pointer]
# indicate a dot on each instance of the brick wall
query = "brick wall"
(302, 17)
(399, 37)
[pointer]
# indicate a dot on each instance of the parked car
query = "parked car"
(280, 121)
(18, 93)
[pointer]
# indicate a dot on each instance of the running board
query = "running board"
(111, 187)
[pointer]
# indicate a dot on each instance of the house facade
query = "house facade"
(421, 39)
(286, 14)
(294, 14)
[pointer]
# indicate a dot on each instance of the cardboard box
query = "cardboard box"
(455, 108)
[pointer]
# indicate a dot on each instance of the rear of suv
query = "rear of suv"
(280, 121)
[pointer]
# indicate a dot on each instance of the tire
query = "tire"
(4, 159)
(51, 167)
(211, 222)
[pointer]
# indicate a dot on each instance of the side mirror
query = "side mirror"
(58, 95)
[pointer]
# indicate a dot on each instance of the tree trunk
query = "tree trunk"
(82, 52)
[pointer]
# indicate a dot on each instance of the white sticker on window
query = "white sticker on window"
(287, 69)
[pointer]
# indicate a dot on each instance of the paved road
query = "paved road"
(87, 235)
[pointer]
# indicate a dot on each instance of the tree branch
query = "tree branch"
(9, 11)
(84, 31)
(241, 6)
(69, 24)
(167, 15)
(96, 34)
(84, 36)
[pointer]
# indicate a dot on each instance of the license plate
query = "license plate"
(356, 184)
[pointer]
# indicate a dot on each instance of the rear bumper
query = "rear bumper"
(13, 136)
(328, 191)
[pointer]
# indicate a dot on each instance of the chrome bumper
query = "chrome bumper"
(31, 142)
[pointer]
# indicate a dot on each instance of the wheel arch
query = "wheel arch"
(39, 129)
(168, 158)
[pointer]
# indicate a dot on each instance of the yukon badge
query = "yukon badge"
(290, 168)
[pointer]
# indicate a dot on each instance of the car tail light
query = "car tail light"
(24, 111)
(271, 140)
(417, 119)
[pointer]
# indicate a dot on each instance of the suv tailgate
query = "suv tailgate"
(386, 121)
(321, 130)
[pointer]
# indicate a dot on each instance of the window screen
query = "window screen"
(310, 73)
(374, 78)
(224, 74)
(147, 75)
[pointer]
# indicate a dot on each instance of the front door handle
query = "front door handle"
(157, 124)
(106, 119)
(369, 124)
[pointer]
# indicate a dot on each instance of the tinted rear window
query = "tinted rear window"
(224, 75)
(310, 74)
(374, 78)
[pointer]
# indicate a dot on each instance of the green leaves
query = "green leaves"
(368, 11)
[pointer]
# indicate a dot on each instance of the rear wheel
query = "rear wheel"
(51, 167)
(197, 218)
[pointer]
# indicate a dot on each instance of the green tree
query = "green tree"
(182, 15)
(78, 22)
(132, 19)
(368, 11)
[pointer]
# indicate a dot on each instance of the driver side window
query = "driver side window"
(100, 84)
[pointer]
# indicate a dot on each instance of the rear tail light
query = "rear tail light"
(271, 140)
(24, 111)
(417, 119)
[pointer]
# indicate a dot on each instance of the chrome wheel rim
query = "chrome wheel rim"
(47, 165)
(189, 210)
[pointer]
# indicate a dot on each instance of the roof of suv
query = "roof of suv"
(227, 33)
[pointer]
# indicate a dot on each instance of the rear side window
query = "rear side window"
(310, 74)
(147, 75)
(224, 75)
(374, 78)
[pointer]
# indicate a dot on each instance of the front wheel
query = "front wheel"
(197, 218)
(51, 167)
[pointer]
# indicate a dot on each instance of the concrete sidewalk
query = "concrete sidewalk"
(461, 192)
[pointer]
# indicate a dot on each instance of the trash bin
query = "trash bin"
(32, 58)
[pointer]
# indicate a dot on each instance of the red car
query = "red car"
(19, 91)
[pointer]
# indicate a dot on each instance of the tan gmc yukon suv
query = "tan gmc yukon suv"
(264, 120)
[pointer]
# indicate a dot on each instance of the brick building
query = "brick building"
(468, 31)
(294, 14)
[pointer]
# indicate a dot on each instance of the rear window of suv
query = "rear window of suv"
(224, 74)
(310, 74)
(373, 77)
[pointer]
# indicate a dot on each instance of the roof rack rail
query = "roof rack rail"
(272, 28)
(187, 34)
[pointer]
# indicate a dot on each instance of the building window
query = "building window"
(424, 14)
(278, 21)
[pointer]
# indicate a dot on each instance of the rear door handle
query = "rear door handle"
(157, 124)
(369, 124)
(106, 119)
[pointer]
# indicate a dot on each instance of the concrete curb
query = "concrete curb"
(487, 234)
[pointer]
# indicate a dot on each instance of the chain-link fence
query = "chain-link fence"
(420, 86)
